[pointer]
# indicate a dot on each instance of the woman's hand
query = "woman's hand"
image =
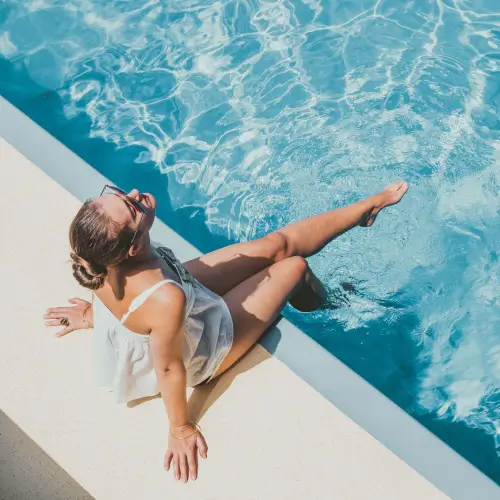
(182, 454)
(73, 314)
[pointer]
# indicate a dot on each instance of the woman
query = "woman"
(160, 325)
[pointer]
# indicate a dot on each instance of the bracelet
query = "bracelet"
(193, 424)
(87, 322)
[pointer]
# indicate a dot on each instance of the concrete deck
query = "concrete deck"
(270, 435)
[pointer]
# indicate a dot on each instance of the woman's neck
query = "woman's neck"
(116, 277)
(144, 254)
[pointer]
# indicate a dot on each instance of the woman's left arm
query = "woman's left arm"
(79, 316)
(166, 310)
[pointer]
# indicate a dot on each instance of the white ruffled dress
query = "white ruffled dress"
(123, 360)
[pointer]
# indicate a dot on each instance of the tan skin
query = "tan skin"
(254, 278)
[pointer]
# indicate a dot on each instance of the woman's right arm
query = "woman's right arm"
(167, 342)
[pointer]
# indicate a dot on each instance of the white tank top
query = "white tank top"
(123, 361)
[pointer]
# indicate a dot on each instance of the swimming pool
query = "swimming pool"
(244, 115)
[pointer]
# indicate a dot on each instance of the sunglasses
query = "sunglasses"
(134, 203)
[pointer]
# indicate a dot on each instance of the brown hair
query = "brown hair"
(97, 242)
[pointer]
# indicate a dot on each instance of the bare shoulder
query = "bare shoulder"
(168, 294)
(166, 305)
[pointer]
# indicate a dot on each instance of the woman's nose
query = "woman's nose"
(134, 194)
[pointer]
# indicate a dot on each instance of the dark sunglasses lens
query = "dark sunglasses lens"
(137, 205)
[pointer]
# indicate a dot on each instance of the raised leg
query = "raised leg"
(224, 269)
(308, 236)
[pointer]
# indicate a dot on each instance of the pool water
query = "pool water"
(244, 115)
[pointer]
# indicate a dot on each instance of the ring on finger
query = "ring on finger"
(64, 321)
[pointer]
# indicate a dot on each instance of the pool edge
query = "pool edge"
(393, 427)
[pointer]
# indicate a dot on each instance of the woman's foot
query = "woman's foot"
(391, 195)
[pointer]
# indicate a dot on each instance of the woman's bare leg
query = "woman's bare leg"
(308, 236)
(257, 302)
(224, 269)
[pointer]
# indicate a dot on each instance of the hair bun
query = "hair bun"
(86, 274)
(97, 243)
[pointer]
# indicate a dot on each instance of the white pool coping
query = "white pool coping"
(347, 392)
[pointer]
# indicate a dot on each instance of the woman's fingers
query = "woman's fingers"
(184, 468)
(64, 310)
(168, 460)
(64, 331)
(202, 446)
(55, 315)
(57, 322)
(176, 467)
(53, 322)
(57, 310)
(77, 301)
(192, 465)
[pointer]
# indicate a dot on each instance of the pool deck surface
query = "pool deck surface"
(270, 434)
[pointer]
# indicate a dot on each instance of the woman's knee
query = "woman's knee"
(297, 266)
(308, 293)
(277, 246)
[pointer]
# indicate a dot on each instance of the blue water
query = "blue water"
(243, 115)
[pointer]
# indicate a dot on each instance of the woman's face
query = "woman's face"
(123, 212)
